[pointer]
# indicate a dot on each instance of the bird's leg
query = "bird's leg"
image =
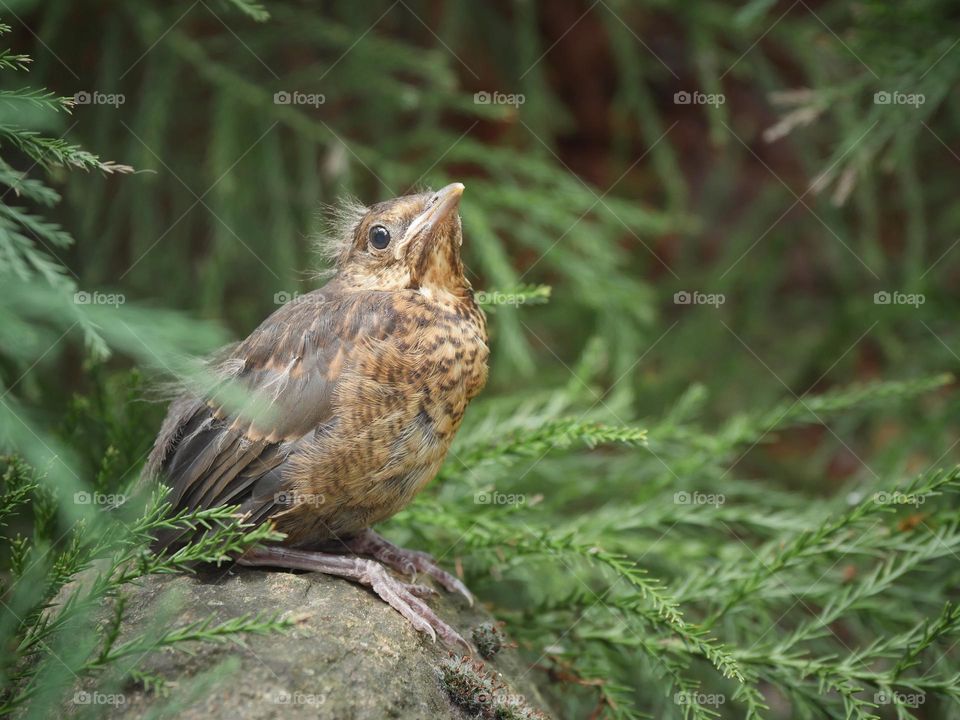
(408, 562)
(403, 597)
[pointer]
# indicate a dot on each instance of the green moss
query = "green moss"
(489, 639)
(474, 688)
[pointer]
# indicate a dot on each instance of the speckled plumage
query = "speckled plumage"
(367, 380)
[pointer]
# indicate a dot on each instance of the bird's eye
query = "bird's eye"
(379, 237)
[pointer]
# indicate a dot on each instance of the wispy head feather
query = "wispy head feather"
(333, 241)
(420, 187)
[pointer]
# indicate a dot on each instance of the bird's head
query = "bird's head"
(408, 242)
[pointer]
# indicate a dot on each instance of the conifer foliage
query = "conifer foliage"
(714, 472)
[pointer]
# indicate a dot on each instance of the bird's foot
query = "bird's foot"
(405, 598)
(407, 562)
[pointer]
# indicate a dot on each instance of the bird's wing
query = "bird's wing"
(291, 364)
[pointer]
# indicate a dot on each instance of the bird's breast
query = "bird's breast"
(400, 400)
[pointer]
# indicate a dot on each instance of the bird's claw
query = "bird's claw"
(408, 562)
(422, 591)
(416, 562)
(405, 598)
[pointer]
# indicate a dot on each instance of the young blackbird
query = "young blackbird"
(367, 380)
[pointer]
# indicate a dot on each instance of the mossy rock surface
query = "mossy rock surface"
(349, 657)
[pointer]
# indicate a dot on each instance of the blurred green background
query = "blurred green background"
(599, 184)
(737, 206)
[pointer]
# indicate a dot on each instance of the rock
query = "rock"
(349, 657)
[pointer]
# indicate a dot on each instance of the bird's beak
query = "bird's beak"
(445, 203)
